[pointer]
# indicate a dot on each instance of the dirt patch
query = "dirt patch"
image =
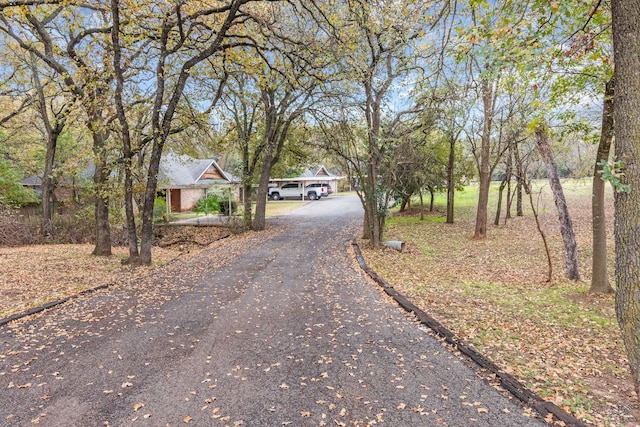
(188, 237)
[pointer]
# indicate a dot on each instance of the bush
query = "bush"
(207, 205)
(224, 207)
(15, 230)
(12, 193)
(160, 210)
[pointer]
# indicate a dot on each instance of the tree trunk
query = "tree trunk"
(53, 130)
(375, 228)
(519, 181)
(626, 44)
(134, 254)
(566, 227)
(405, 203)
(534, 209)
(100, 182)
(484, 170)
(509, 173)
(503, 184)
(600, 276)
(48, 185)
(246, 199)
(451, 187)
(146, 229)
(259, 220)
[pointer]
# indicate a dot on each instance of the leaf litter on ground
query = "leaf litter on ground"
(556, 338)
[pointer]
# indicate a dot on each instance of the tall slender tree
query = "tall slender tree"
(599, 272)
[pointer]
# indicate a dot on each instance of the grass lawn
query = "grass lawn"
(556, 338)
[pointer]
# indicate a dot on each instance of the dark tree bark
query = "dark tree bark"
(566, 226)
(53, 127)
(278, 120)
(626, 44)
(503, 184)
(600, 276)
(101, 193)
(164, 111)
(520, 180)
(451, 186)
(484, 167)
(406, 203)
(432, 196)
(509, 175)
(134, 254)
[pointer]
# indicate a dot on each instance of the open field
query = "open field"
(556, 338)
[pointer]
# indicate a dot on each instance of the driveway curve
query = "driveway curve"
(265, 329)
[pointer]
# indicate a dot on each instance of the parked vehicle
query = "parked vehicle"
(324, 192)
(293, 189)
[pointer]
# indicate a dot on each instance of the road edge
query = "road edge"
(508, 382)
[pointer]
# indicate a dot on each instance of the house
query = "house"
(66, 187)
(186, 180)
(319, 174)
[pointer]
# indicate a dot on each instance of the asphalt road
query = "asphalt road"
(270, 329)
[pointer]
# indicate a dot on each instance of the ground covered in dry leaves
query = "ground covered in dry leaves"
(556, 338)
(38, 274)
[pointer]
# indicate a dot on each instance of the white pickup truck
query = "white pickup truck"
(295, 189)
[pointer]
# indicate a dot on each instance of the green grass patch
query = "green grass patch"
(548, 305)
(415, 220)
(281, 207)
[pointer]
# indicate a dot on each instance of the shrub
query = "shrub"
(207, 205)
(12, 193)
(160, 210)
(224, 207)
(15, 230)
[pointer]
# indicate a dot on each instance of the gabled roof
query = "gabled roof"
(319, 171)
(185, 171)
(83, 176)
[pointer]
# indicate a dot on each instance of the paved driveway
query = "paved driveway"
(270, 329)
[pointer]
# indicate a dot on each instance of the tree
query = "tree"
(376, 47)
(566, 227)
(69, 39)
(599, 273)
(54, 115)
(284, 101)
(179, 47)
(241, 101)
(626, 44)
